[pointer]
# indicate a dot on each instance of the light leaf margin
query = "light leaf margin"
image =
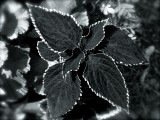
(99, 95)
(62, 75)
(49, 10)
(94, 24)
(120, 62)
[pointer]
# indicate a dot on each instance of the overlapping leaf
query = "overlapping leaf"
(118, 45)
(68, 5)
(105, 80)
(62, 93)
(10, 87)
(38, 67)
(60, 31)
(17, 61)
(81, 17)
(46, 52)
(72, 7)
(73, 63)
(95, 36)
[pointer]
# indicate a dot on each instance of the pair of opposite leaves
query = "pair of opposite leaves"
(60, 32)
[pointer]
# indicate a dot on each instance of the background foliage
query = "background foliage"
(143, 82)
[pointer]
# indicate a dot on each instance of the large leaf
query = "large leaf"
(95, 36)
(73, 63)
(104, 78)
(62, 93)
(46, 52)
(118, 45)
(60, 31)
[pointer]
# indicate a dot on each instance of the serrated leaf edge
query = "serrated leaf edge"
(74, 103)
(94, 24)
(99, 95)
(120, 62)
(50, 10)
(48, 48)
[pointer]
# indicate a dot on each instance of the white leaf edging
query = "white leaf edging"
(120, 62)
(64, 78)
(99, 95)
(50, 10)
(94, 24)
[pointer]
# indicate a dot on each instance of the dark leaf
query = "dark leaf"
(18, 60)
(33, 34)
(118, 45)
(46, 52)
(66, 54)
(73, 63)
(105, 80)
(10, 88)
(60, 31)
(95, 36)
(62, 93)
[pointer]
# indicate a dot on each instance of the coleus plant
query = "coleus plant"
(100, 50)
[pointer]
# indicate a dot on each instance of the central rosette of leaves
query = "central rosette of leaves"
(99, 50)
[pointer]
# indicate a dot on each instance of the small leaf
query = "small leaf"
(46, 52)
(105, 80)
(62, 93)
(96, 35)
(60, 31)
(118, 45)
(73, 63)
(81, 18)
